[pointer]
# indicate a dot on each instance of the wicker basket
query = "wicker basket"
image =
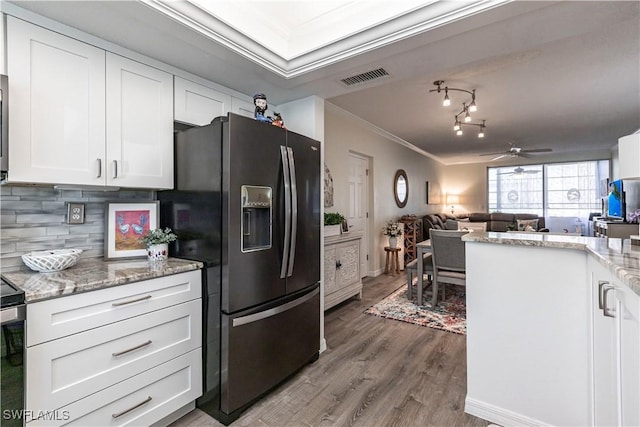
(48, 261)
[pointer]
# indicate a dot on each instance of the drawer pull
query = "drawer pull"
(118, 304)
(120, 353)
(126, 411)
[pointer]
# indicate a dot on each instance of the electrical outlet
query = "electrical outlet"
(75, 213)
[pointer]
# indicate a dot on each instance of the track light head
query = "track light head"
(467, 116)
(456, 125)
(481, 132)
(473, 107)
(459, 132)
(446, 101)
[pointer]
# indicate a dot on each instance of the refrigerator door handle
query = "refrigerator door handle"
(294, 211)
(287, 210)
(250, 318)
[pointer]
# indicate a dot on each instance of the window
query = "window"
(550, 190)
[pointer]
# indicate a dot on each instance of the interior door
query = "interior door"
(304, 264)
(358, 205)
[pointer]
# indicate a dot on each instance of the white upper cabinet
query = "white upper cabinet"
(57, 112)
(196, 104)
(242, 107)
(82, 116)
(139, 125)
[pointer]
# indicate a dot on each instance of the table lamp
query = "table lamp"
(452, 200)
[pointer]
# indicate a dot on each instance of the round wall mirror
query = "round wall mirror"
(401, 188)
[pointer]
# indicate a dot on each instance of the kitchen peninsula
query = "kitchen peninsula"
(553, 329)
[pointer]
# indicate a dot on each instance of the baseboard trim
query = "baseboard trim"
(498, 415)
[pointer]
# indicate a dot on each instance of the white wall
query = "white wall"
(345, 133)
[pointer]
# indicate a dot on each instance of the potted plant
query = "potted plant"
(157, 242)
(332, 223)
(393, 230)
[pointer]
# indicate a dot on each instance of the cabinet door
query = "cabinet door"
(242, 107)
(139, 125)
(329, 269)
(604, 350)
(57, 120)
(629, 349)
(196, 104)
(349, 258)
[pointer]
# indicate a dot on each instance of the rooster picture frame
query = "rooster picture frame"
(125, 223)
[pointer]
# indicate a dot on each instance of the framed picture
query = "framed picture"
(125, 223)
(345, 226)
(433, 193)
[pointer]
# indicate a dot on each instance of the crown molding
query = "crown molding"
(288, 63)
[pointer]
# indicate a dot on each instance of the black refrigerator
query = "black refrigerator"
(247, 204)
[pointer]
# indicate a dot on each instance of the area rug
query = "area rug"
(449, 315)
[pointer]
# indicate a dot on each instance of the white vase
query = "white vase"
(158, 254)
(393, 242)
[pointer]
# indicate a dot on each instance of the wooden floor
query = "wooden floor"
(375, 372)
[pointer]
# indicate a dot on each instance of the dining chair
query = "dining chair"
(412, 269)
(448, 260)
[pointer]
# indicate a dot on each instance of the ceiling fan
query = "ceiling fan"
(519, 171)
(514, 151)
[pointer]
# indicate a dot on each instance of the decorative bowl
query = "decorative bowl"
(49, 261)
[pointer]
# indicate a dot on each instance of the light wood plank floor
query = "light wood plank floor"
(375, 372)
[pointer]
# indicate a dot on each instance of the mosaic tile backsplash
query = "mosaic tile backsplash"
(35, 219)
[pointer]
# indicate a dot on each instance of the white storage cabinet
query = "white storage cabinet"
(196, 104)
(615, 349)
(341, 269)
(120, 355)
(83, 116)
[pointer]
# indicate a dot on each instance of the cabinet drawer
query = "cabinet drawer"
(65, 316)
(65, 370)
(164, 389)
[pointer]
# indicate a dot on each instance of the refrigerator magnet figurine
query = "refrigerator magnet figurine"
(277, 120)
(260, 101)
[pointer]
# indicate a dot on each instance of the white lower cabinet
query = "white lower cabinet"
(615, 350)
(132, 366)
(341, 269)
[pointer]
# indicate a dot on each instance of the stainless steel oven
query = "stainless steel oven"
(12, 319)
(4, 123)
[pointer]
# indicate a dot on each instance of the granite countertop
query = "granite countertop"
(92, 274)
(617, 255)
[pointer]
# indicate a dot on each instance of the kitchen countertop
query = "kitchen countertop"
(92, 274)
(617, 255)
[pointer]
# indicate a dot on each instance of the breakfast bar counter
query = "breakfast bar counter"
(617, 255)
(553, 329)
(92, 274)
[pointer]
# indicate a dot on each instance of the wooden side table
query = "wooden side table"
(392, 261)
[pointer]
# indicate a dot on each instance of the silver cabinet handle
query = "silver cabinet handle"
(601, 284)
(99, 162)
(129, 350)
(126, 411)
(606, 310)
(117, 304)
(115, 169)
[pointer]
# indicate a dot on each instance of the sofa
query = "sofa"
(497, 221)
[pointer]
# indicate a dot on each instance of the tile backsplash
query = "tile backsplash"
(35, 218)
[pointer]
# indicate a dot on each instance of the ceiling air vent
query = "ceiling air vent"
(365, 77)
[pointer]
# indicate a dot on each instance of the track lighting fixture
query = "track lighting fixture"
(466, 109)
(480, 132)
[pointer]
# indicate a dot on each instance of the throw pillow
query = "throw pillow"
(472, 226)
(527, 224)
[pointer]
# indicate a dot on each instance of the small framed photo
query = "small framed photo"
(345, 226)
(125, 223)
